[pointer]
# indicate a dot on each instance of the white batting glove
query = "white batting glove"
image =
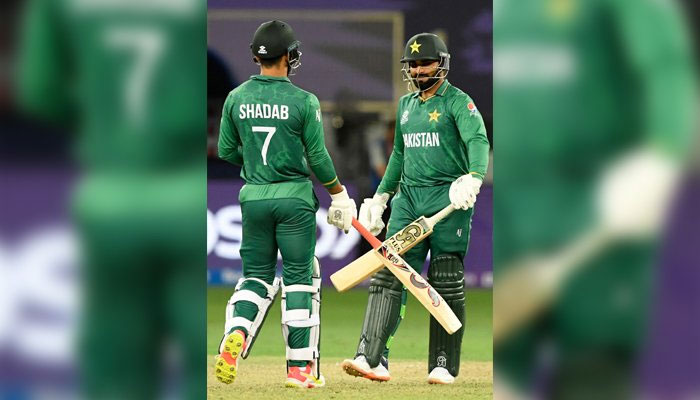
(463, 191)
(371, 212)
(342, 211)
(635, 192)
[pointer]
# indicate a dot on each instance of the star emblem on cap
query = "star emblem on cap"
(415, 47)
(434, 116)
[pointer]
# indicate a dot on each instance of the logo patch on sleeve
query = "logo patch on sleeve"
(472, 108)
(404, 117)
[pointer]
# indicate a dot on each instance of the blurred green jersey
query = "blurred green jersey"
(130, 77)
(122, 73)
(576, 83)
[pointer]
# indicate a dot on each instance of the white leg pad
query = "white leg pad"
(263, 304)
(306, 353)
(304, 318)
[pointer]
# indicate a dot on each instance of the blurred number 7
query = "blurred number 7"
(146, 46)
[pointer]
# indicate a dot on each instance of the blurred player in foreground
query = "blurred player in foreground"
(128, 79)
(440, 157)
(274, 130)
(595, 115)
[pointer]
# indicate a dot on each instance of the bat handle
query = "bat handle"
(440, 215)
(366, 234)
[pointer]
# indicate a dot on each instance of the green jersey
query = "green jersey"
(124, 74)
(578, 83)
(436, 140)
(274, 130)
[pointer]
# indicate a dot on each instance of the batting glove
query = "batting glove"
(371, 213)
(342, 211)
(463, 191)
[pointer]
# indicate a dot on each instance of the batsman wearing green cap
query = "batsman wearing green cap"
(274, 130)
(440, 157)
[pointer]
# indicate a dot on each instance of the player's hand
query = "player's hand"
(635, 192)
(342, 211)
(463, 191)
(371, 213)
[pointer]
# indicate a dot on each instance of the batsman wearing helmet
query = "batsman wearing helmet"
(273, 129)
(440, 156)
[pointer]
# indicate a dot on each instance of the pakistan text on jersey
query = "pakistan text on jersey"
(263, 111)
(421, 139)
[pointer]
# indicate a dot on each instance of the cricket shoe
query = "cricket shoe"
(299, 377)
(440, 375)
(226, 363)
(359, 367)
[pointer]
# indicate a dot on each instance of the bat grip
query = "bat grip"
(440, 215)
(366, 234)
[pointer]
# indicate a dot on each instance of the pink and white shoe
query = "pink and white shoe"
(301, 377)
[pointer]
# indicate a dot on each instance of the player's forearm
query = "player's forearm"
(665, 72)
(670, 101)
(478, 151)
(42, 88)
(323, 168)
(229, 144)
(233, 155)
(392, 176)
(336, 188)
(317, 155)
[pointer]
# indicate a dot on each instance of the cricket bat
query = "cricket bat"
(531, 285)
(419, 287)
(402, 241)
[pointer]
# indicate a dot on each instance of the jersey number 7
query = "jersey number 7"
(270, 130)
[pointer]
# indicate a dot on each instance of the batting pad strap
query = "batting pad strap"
(306, 353)
(247, 295)
(271, 289)
(299, 288)
(295, 315)
(240, 321)
(305, 323)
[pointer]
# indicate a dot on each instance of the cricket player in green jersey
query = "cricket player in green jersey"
(597, 104)
(273, 129)
(122, 73)
(440, 157)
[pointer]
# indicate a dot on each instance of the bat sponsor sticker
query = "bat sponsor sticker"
(418, 281)
(434, 296)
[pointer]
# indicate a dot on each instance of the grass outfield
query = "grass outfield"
(262, 374)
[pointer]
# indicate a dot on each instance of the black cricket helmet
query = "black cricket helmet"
(425, 47)
(274, 39)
